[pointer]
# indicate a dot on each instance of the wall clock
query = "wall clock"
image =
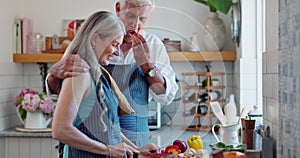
(236, 22)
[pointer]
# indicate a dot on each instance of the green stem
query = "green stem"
(211, 7)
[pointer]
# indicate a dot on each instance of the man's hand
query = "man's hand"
(71, 65)
(140, 50)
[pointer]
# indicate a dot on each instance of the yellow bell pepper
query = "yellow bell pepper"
(195, 142)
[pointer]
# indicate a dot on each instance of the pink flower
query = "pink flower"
(30, 102)
(22, 94)
(47, 105)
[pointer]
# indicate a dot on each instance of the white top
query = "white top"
(159, 56)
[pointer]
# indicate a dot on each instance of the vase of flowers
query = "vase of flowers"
(34, 109)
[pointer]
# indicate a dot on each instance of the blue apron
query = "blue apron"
(87, 121)
(133, 84)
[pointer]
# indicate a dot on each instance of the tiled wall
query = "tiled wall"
(281, 76)
(270, 76)
(289, 80)
(270, 94)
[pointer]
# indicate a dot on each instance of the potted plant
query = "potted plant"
(34, 109)
(217, 5)
(215, 26)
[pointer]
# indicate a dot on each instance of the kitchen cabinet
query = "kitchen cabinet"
(205, 85)
(28, 144)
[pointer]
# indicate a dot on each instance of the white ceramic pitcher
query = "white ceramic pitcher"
(230, 134)
(36, 120)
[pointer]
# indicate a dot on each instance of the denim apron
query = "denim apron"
(87, 121)
(133, 84)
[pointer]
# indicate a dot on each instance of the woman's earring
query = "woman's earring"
(93, 46)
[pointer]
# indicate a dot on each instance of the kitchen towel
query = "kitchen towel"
(124, 106)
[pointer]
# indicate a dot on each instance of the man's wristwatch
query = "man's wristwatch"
(151, 72)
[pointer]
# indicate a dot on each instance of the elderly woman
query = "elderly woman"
(86, 118)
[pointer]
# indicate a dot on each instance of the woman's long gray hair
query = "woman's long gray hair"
(105, 24)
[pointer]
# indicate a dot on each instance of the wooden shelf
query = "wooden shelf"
(174, 56)
(202, 88)
(198, 91)
(195, 101)
(37, 58)
(199, 115)
(202, 56)
(197, 128)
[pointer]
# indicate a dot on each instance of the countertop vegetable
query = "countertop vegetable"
(181, 144)
(220, 145)
(172, 149)
(195, 142)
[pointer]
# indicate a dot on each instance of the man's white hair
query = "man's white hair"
(138, 2)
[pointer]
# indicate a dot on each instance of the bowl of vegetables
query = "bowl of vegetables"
(226, 148)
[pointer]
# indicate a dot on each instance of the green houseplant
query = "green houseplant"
(217, 5)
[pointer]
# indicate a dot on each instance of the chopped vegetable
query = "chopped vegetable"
(224, 147)
(172, 149)
(190, 152)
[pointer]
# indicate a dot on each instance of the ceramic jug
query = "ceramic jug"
(36, 120)
(230, 134)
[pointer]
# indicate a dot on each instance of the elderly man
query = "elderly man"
(142, 71)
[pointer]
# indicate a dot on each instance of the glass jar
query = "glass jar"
(37, 42)
(256, 115)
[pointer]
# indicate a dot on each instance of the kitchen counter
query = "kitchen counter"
(41, 144)
(12, 132)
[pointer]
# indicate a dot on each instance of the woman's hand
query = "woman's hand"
(121, 151)
(149, 148)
